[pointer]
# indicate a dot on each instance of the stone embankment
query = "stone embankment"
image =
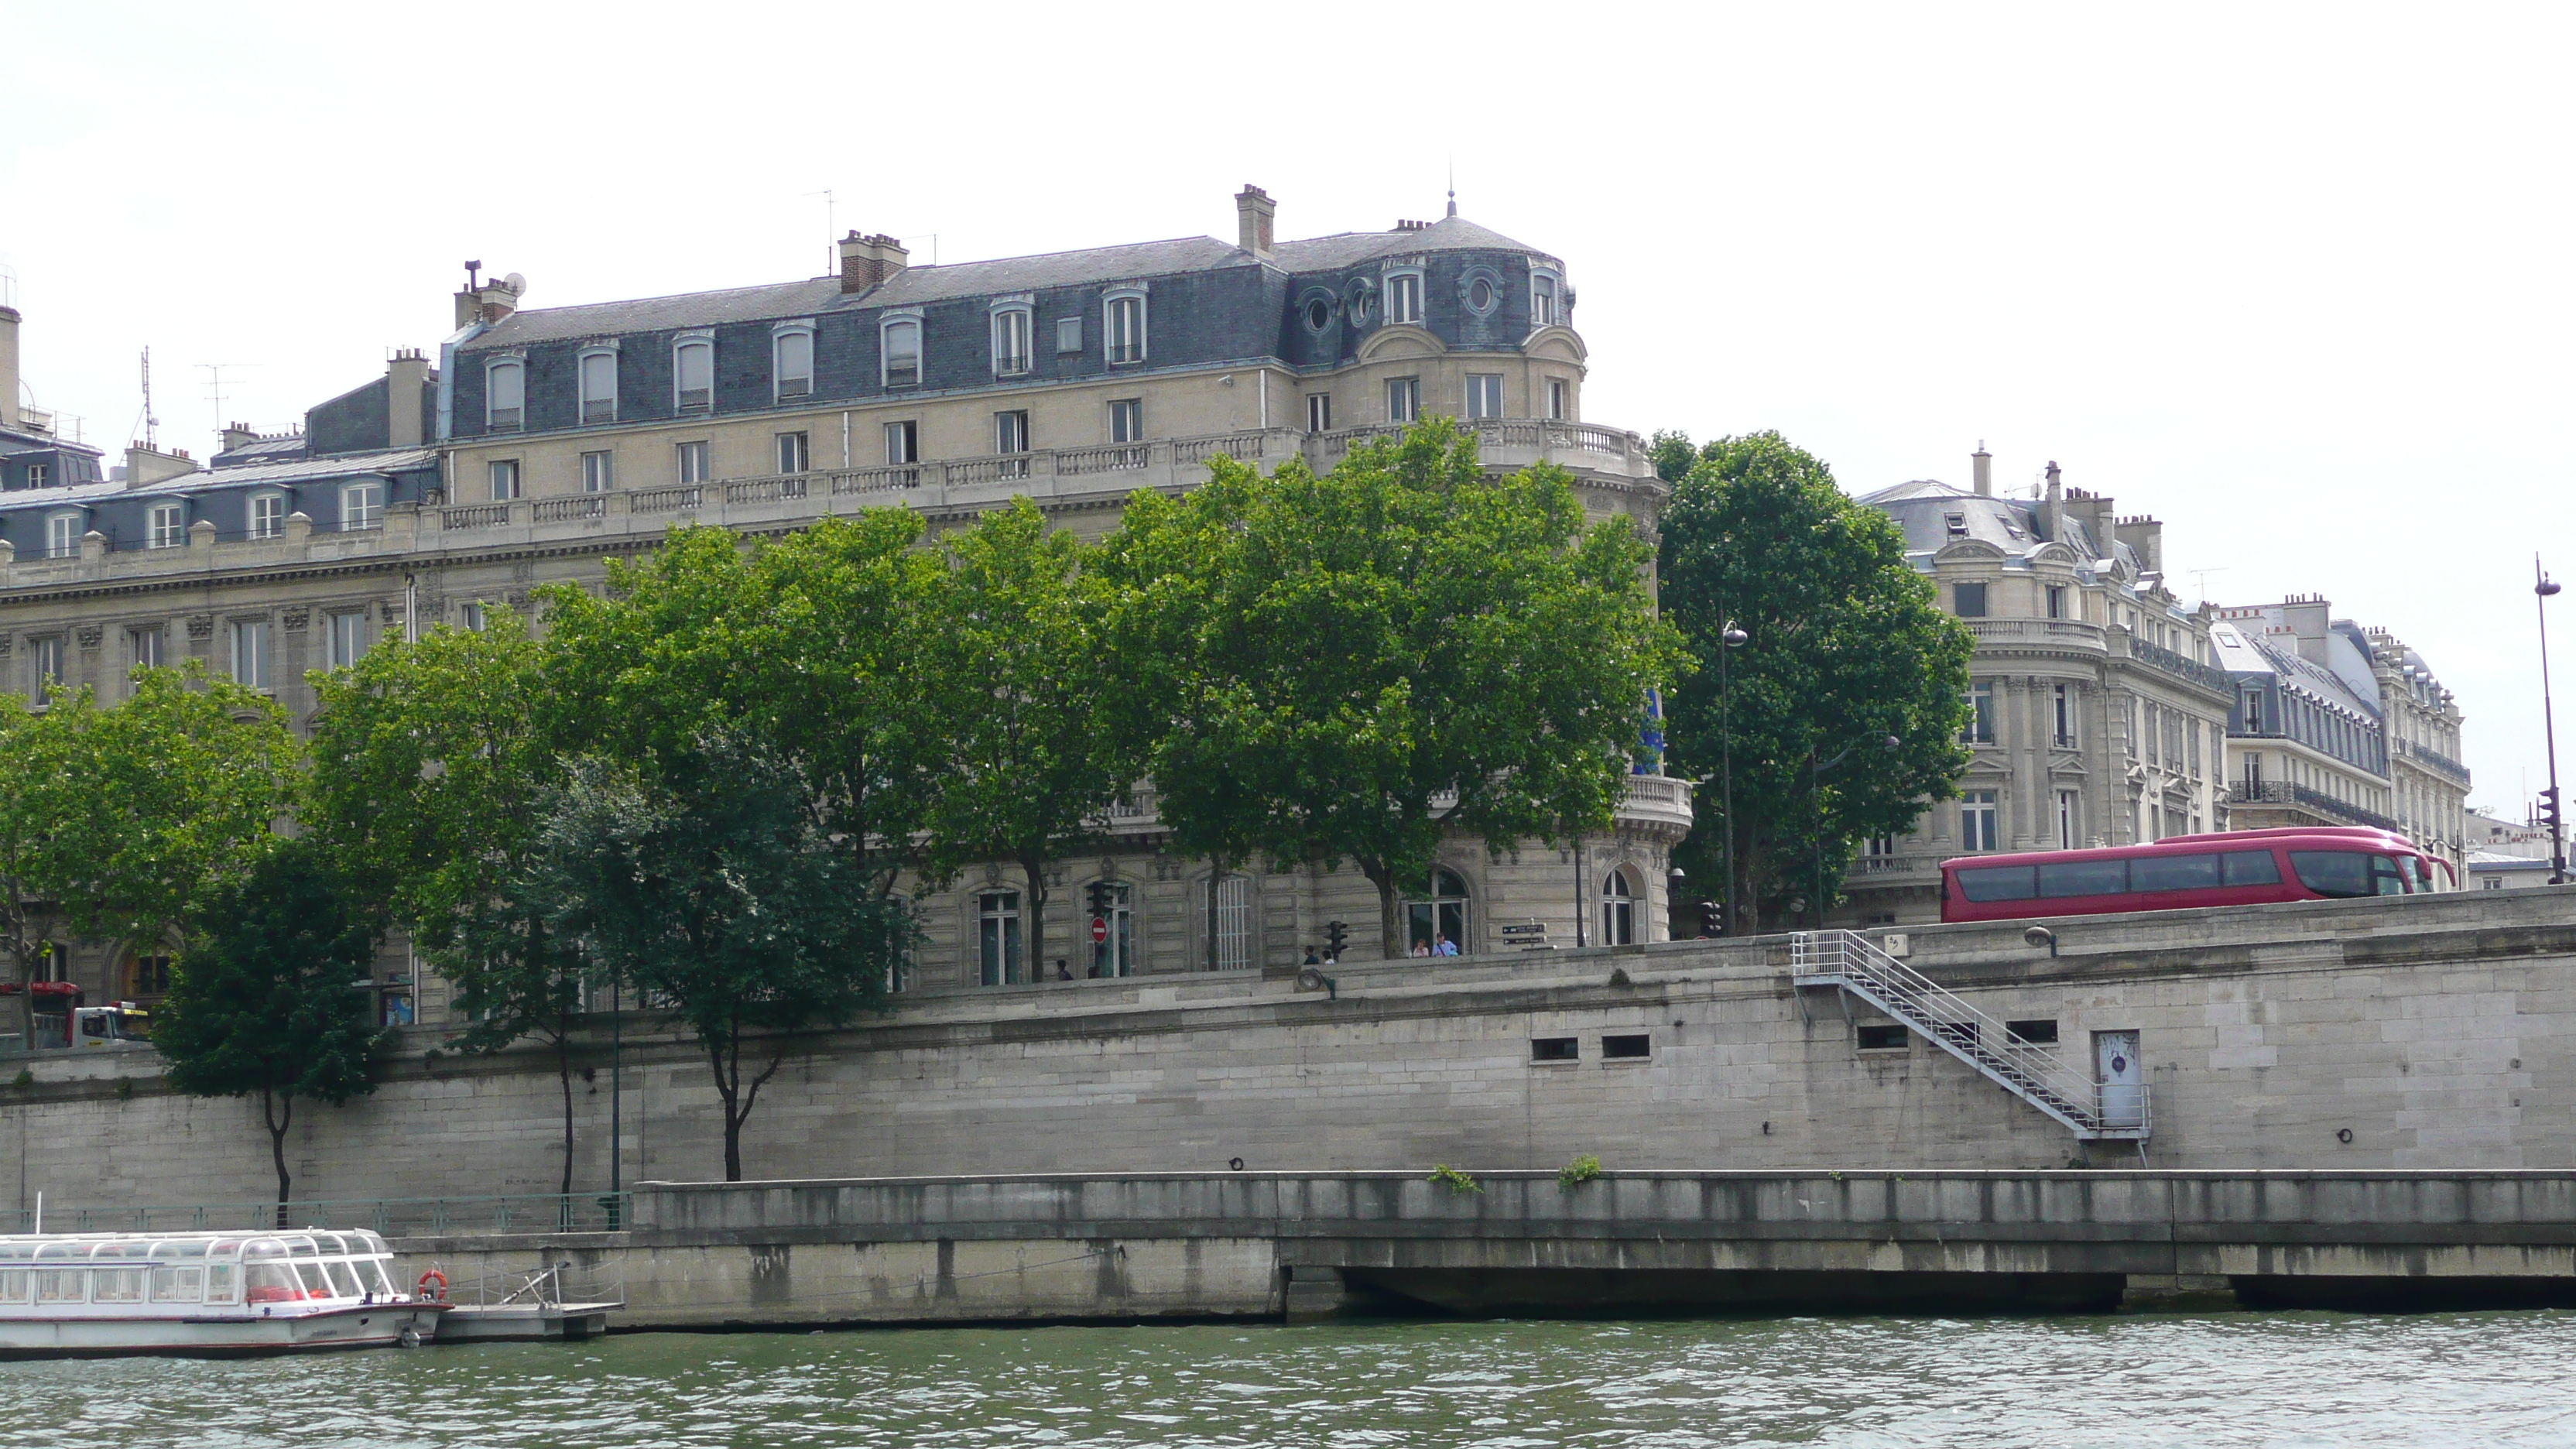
(1296, 1246)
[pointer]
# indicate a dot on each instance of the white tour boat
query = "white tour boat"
(263, 1291)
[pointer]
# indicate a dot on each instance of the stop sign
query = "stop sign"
(1099, 930)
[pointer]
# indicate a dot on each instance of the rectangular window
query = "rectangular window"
(2031, 1033)
(44, 667)
(2249, 867)
(1403, 399)
(598, 472)
(599, 387)
(1542, 301)
(1977, 821)
(795, 364)
(1404, 298)
(362, 505)
(250, 653)
(1627, 1048)
(267, 515)
(694, 372)
(1981, 714)
(1556, 398)
(60, 1285)
(504, 474)
(1879, 1037)
(2084, 878)
(1010, 343)
(62, 535)
(1956, 524)
(2253, 713)
(1999, 883)
(997, 938)
(143, 648)
(1125, 320)
(1968, 601)
(1233, 923)
(1319, 412)
(2061, 708)
(1011, 432)
(1484, 394)
(1068, 334)
(36, 475)
(903, 443)
(348, 639)
(902, 353)
(2056, 601)
(504, 397)
(2176, 872)
(469, 615)
(1555, 1049)
(1127, 420)
(693, 462)
(174, 1284)
(169, 529)
(791, 453)
(2067, 807)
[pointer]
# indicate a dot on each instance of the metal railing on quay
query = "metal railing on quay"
(392, 1217)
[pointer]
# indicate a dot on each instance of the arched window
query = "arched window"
(1438, 926)
(693, 373)
(1618, 910)
(899, 340)
(504, 396)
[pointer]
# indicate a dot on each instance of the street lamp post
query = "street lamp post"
(1729, 639)
(2543, 586)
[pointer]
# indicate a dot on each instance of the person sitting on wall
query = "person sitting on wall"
(1443, 946)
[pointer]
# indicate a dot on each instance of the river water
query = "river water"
(2236, 1379)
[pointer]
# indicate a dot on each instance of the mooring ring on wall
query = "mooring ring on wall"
(1234, 1164)
(2343, 1134)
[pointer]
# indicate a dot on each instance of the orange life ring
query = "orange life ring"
(421, 1291)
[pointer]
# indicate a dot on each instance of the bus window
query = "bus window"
(2250, 867)
(2084, 878)
(1997, 883)
(2174, 872)
(2406, 866)
(2347, 873)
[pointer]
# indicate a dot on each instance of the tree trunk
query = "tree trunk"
(1390, 911)
(1034, 866)
(729, 1088)
(563, 1073)
(277, 1123)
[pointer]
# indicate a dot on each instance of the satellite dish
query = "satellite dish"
(515, 285)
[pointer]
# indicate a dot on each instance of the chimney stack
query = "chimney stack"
(406, 377)
(1253, 210)
(2053, 509)
(869, 262)
(1984, 464)
(147, 465)
(8, 366)
(238, 436)
(487, 302)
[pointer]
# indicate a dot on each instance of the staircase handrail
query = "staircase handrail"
(1907, 994)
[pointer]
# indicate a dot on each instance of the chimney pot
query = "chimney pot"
(1254, 212)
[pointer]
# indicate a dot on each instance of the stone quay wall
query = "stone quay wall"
(2430, 1032)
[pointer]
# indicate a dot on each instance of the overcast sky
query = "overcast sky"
(2291, 278)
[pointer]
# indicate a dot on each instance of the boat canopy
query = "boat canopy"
(51, 1249)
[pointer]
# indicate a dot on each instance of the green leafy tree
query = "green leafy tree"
(431, 760)
(114, 818)
(822, 643)
(262, 1002)
(1397, 650)
(1032, 762)
(1844, 650)
(705, 882)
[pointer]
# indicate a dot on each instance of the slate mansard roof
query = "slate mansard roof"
(1208, 304)
(2017, 526)
(312, 486)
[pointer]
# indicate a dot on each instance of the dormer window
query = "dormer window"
(693, 374)
(1545, 288)
(1956, 523)
(362, 505)
(900, 344)
(1404, 298)
(1123, 321)
(169, 525)
(505, 394)
(598, 369)
(792, 360)
(1012, 325)
(62, 535)
(268, 515)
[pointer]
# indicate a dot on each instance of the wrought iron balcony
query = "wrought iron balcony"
(2281, 792)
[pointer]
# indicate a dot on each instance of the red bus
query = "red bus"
(2236, 868)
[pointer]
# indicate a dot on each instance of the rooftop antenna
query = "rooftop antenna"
(831, 231)
(2200, 580)
(215, 384)
(151, 424)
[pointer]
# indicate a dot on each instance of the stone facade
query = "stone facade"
(2099, 719)
(544, 441)
(2438, 1031)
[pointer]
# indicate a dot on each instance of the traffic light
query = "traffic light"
(2549, 808)
(1712, 919)
(1096, 899)
(1336, 934)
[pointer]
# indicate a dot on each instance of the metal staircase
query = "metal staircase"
(2094, 1111)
